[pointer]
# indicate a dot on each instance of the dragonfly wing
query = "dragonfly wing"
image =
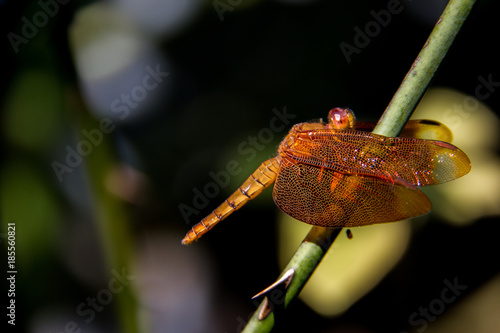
(427, 129)
(326, 198)
(424, 162)
(416, 161)
(419, 128)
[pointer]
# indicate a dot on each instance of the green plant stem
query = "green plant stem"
(112, 223)
(423, 68)
(305, 260)
(318, 240)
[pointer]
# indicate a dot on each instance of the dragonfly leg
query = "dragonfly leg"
(259, 180)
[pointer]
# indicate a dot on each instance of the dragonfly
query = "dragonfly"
(338, 174)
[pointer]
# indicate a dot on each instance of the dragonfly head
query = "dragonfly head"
(340, 118)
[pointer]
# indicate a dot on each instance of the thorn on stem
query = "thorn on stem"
(281, 284)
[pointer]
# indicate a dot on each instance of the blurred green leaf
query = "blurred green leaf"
(33, 108)
(28, 201)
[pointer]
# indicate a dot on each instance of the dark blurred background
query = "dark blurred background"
(116, 115)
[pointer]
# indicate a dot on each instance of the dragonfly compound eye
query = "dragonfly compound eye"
(340, 118)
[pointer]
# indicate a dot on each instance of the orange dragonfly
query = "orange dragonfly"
(338, 174)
